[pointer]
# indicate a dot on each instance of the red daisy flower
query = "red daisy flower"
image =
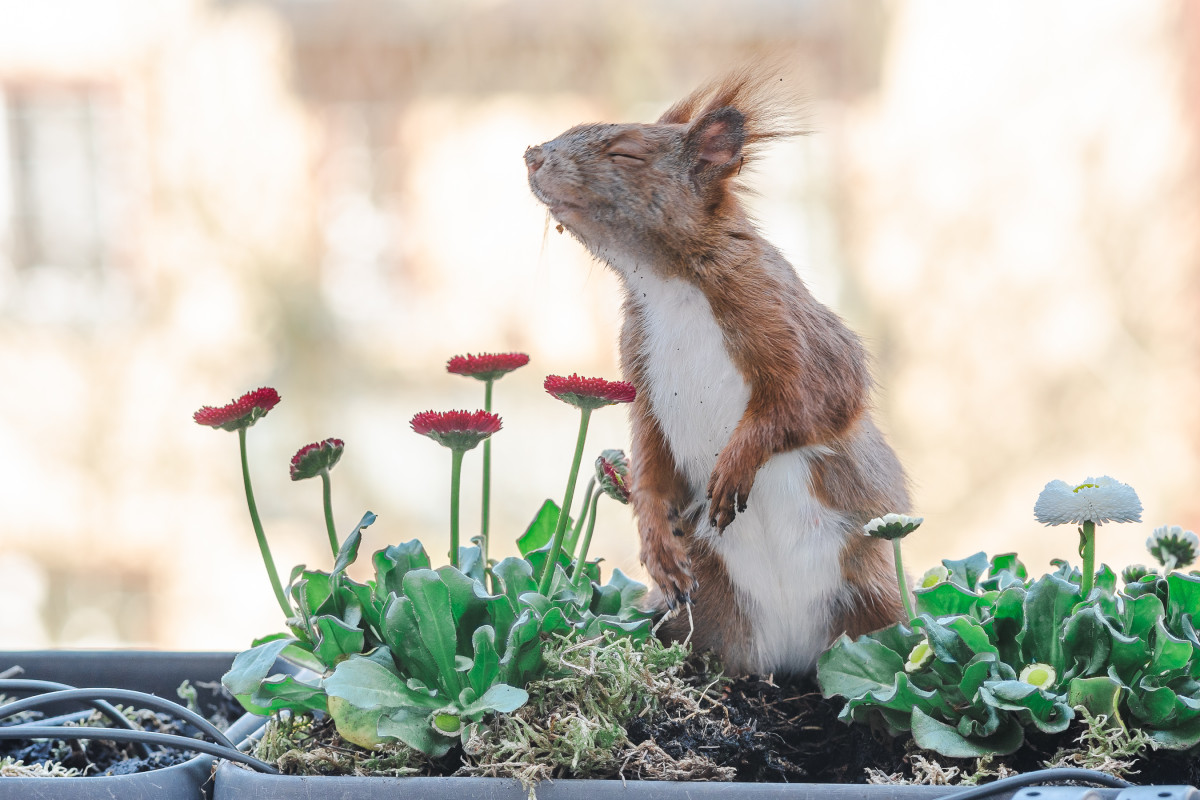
(313, 459)
(458, 430)
(241, 413)
(589, 393)
(486, 366)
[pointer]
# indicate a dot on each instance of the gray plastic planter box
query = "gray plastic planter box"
(235, 783)
(158, 673)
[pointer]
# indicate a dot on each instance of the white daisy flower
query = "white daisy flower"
(921, 655)
(892, 526)
(1173, 547)
(1096, 500)
(933, 576)
(1040, 675)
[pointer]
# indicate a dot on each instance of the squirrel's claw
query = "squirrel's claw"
(728, 496)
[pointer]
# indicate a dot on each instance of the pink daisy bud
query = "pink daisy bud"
(313, 459)
(612, 475)
(241, 413)
(589, 393)
(458, 430)
(486, 366)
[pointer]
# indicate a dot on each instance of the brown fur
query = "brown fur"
(661, 197)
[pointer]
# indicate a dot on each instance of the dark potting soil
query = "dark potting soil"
(788, 732)
(778, 732)
(96, 757)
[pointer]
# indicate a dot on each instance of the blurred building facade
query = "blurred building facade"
(327, 196)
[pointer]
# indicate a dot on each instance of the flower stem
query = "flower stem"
(570, 543)
(487, 479)
(1087, 549)
(456, 460)
(908, 608)
(268, 562)
(564, 513)
(327, 501)
(579, 574)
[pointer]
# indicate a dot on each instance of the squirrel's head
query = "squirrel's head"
(639, 192)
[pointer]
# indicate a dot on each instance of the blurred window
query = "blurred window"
(58, 193)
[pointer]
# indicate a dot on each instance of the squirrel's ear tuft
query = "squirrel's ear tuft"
(714, 144)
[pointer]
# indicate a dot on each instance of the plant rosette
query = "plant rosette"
(991, 653)
(421, 655)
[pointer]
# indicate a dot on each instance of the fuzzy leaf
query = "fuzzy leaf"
(366, 684)
(485, 669)
(336, 641)
(1030, 704)
(348, 552)
(1099, 695)
(516, 578)
(251, 667)
(540, 529)
(393, 563)
(1047, 603)
(470, 563)
(435, 619)
(946, 740)
(357, 725)
(853, 667)
(413, 727)
(966, 573)
(403, 637)
(500, 697)
(944, 599)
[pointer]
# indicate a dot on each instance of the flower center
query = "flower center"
(1081, 486)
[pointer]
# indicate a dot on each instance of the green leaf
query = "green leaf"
(435, 619)
(1008, 562)
(853, 667)
(1170, 654)
(286, 691)
(468, 605)
(357, 725)
(1180, 737)
(485, 669)
(335, 640)
(1047, 603)
(251, 667)
(523, 651)
(632, 594)
(415, 729)
(393, 563)
(957, 640)
(1099, 695)
(348, 552)
(313, 593)
(966, 573)
(403, 637)
(1030, 704)
(944, 599)
(1007, 622)
(605, 600)
(500, 697)
(516, 578)
(946, 740)
(367, 684)
(1087, 643)
(1183, 596)
(470, 563)
(541, 529)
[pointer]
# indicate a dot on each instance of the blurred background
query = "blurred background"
(200, 197)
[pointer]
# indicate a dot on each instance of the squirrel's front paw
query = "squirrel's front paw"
(667, 561)
(729, 486)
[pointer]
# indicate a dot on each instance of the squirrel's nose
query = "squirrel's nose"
(534, 157)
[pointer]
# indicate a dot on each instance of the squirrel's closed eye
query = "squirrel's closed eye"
(627, 158)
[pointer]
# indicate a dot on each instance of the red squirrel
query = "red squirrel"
(755, 461)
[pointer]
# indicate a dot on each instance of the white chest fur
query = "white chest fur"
(782, 553)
